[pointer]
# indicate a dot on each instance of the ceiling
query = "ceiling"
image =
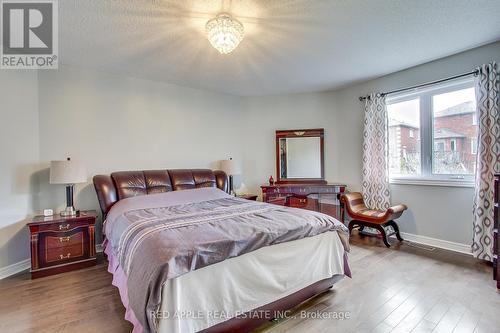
(289, 45)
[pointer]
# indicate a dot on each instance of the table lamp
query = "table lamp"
(68, 173)
(230, 167)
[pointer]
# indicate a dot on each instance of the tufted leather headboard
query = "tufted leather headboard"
(125, 184)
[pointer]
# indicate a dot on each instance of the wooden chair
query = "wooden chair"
(376, 219)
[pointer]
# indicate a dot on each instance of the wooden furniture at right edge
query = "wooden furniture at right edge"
(496, 236)
(322, 198)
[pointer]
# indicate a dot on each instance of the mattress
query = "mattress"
(216, 293)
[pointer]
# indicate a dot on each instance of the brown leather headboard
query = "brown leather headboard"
(125, 184)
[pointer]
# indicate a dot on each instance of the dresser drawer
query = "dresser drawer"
(304, 203)
(277, 200)
(297, 202)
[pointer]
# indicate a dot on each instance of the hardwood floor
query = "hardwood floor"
(402, 289)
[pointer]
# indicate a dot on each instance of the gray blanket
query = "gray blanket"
(163, 236)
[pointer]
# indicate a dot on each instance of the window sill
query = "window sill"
(432, 182)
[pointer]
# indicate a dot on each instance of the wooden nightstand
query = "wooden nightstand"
(61, 244)
(248, 196)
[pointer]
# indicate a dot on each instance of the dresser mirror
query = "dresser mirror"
(299, 156)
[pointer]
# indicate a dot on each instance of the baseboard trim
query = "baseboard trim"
(14, 268)
(25, 264)
(439, 243)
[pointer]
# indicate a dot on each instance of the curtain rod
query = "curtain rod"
(474, 72)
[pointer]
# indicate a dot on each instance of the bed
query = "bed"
(188, 257)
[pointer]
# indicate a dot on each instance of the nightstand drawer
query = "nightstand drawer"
(60, 247)
(53, 240)
(64, 254)
(64, 226)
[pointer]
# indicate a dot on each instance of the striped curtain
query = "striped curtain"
(487, 159)
(376, 193)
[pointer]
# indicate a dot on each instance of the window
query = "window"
(430, 132)
(404, 151)
(438, 146)
(453, 145)
(473, 146)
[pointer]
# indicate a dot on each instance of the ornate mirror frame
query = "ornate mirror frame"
(300, 133)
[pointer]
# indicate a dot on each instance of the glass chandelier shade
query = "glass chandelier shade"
(224, 33)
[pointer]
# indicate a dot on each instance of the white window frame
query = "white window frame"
(426, 176)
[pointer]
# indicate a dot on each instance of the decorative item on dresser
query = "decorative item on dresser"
(496, 235)
(62, 243)
(322, 198)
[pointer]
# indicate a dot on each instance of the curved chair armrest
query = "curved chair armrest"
(395, 212)
(397, 209)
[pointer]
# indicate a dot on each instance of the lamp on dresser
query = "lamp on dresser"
(231, 168)
(69, 173)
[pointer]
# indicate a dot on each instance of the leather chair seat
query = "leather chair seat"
(362, 216)
(357, 209)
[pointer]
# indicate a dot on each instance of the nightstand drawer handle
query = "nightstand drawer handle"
(64, 257)
(64, 239)
(63, 226)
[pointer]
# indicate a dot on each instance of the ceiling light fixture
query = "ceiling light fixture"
(224, 33)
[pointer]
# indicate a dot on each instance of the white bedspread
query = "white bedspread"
(213, 294)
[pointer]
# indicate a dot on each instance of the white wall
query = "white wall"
(120, 123)
(18, 161)
(264, 115)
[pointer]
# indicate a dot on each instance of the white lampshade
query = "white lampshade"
(230, 167)
(67, 172)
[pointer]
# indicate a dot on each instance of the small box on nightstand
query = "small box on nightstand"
(61, 244)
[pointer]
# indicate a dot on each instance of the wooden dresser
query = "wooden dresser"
(60, 244)
(496, 235)
(323, 198)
